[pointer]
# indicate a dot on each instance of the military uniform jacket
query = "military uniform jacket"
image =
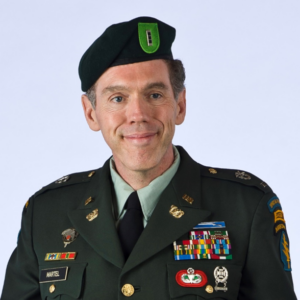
(256, 270)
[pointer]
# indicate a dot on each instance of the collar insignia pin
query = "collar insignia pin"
(69, 236)
(88, 200)
(93, 215)
(188, 199)
(176, 212)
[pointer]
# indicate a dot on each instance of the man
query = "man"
(151, 223)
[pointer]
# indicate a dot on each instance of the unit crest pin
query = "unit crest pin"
(68, 236)
(221, 276)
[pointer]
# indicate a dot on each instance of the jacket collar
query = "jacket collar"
(162, 228)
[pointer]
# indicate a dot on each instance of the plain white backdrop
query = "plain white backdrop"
(243, 91)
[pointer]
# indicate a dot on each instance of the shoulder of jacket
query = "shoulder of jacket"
(67, 180)
(239, 176)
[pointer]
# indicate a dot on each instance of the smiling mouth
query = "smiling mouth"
(140, 138)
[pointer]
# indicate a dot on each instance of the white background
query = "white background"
(242, 63)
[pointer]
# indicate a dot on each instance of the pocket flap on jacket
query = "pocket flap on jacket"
(64, 284)
(208, 267)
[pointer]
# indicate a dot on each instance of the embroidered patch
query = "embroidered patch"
(191, 278)
(278, 216)
(279, 227)
(60, 256)
(285, 251)
(149, 37)
(54, 274)
(216, 224)
(204, 245)
(274, 203)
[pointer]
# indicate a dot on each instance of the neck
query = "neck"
(138, 179)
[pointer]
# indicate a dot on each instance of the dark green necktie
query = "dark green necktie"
(131, 226)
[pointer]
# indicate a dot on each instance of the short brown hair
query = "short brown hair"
(176, 75)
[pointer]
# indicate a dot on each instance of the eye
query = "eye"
(155, 96)
(117, 99)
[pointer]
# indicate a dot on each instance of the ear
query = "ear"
(90, 113)
(181, 108)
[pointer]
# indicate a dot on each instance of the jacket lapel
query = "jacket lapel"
(101, 232)
(163, 229)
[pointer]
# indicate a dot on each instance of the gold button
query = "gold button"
(52, 288)
(209, 289)
(91, 174)
(127, 290)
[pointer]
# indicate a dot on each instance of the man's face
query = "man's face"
(137, 113)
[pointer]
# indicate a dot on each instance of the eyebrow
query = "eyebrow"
(152, 85)
(114, 88)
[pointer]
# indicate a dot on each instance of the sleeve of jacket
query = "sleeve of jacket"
(22, 274)
(267, 270)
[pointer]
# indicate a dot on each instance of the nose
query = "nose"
(137, 110)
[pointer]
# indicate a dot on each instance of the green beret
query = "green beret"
(138, 40)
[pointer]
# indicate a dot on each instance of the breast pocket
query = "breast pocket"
(55, 284)
(205, 279)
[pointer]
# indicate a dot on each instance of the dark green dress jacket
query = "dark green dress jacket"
(256, 270)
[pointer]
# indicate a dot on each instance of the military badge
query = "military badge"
(191, 278)
(176, 212)
(62, 179)
(279, 227)
(285, 252)
(188, 199)
(69, 236)
(273, 204)
(60, 256)
(215, 224)
(278, 216)
(221, 276)
(93, 215)
(204, 245)
(242, 175)
(149, 37)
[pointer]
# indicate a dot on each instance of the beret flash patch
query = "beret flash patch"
(149, 37)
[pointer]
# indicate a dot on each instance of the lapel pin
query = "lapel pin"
(188, 199)
(191, 278)
(176, 212)
(69, 236)
(88, 200)
(93, 215)
(221, 276)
